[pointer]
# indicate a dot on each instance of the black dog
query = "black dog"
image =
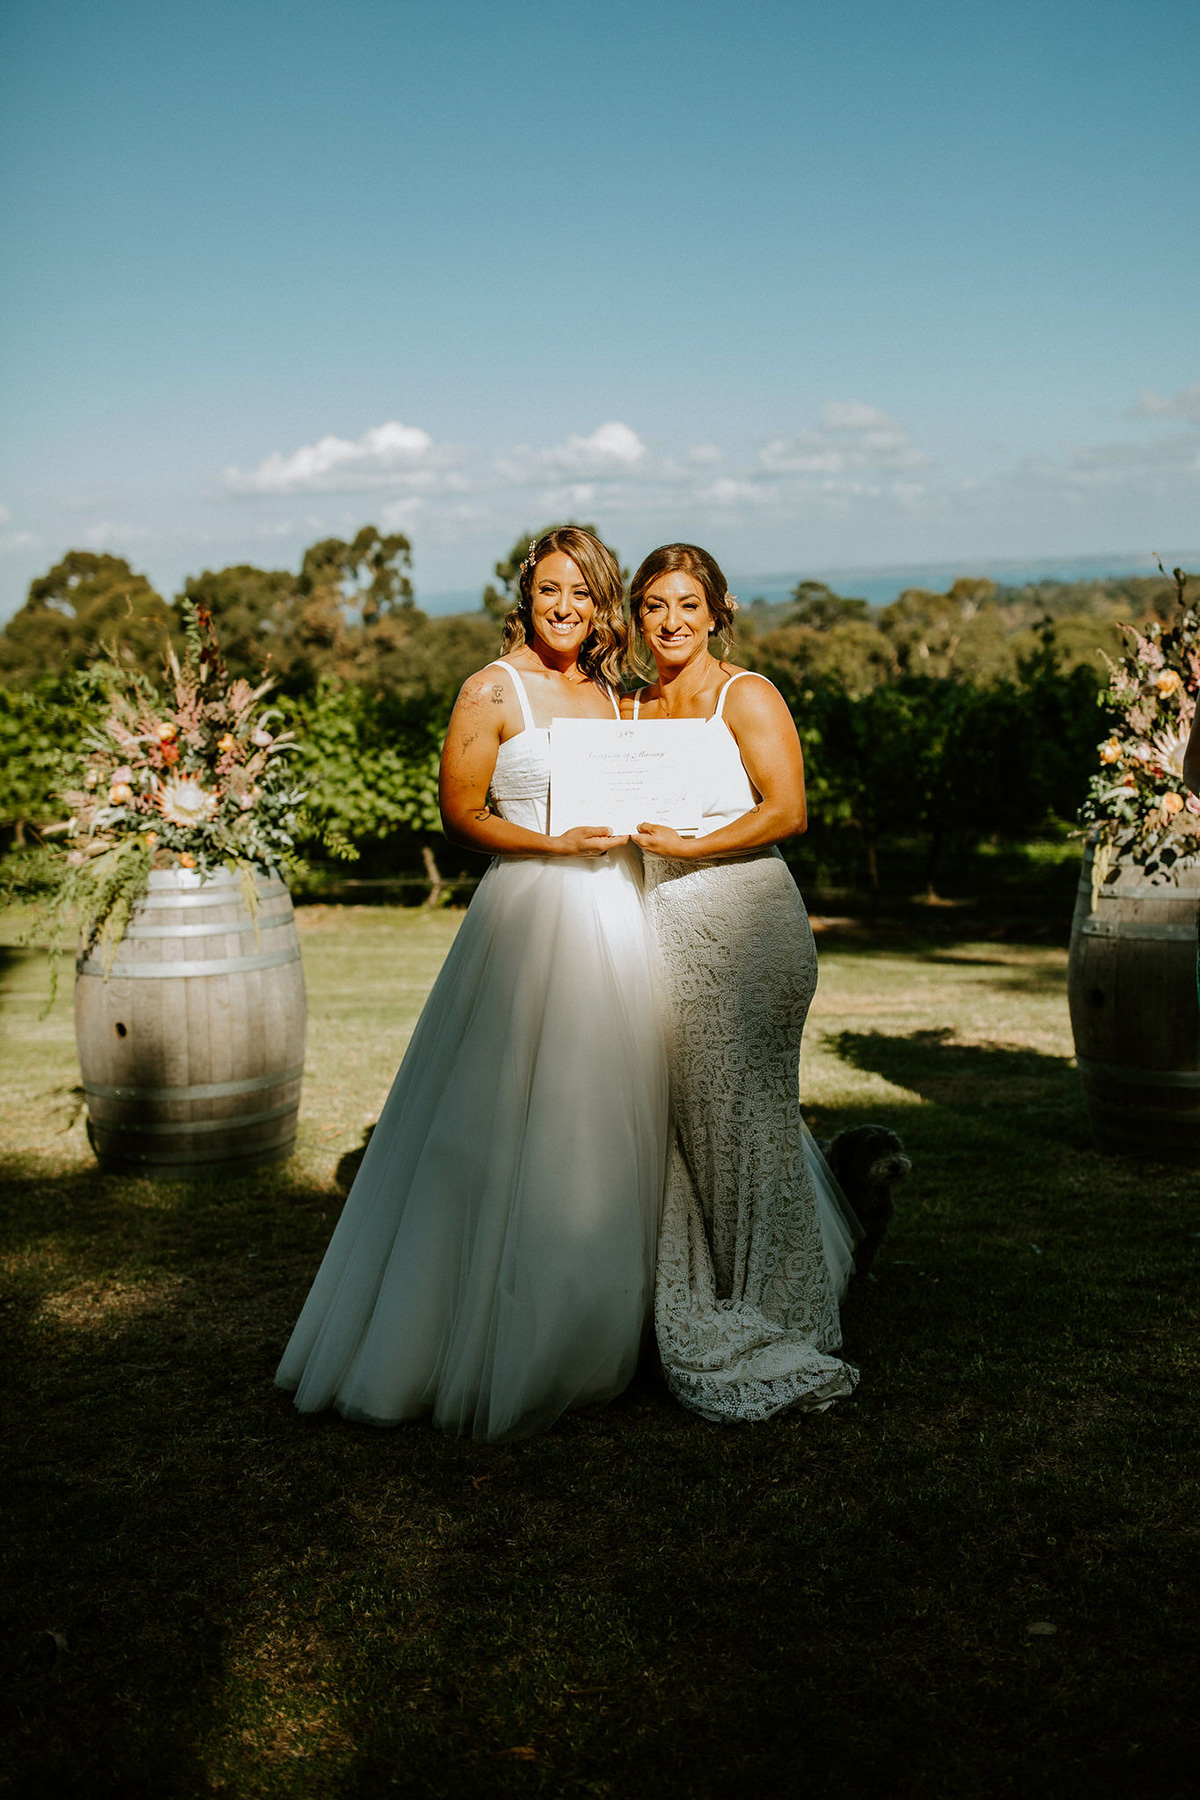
(866, 1162)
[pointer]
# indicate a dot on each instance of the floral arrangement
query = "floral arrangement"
(193, 776)
(1138, 807)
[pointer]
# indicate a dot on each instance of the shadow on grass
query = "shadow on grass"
(1018, 978)
(1019, 1089)
(638, 1602)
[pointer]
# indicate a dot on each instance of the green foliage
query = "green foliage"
(83, 603)
(959, 714)
(369, 775)
(349, 612)
(41, 726)
(368, 575)
(817, 605)
(437, 659)
(937, 756)
(257, 615)
(852, 652)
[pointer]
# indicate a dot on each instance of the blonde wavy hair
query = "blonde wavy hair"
(604, 647)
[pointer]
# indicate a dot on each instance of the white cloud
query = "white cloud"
(1131, 467)
(727, 491)
(612, 450)
(107, 534)
(390, 455)
(850, 435)
(1183, 405)
(13, 541)
(850, 468)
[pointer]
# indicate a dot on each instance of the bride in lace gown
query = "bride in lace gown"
(493, 1265)
(756, 1246)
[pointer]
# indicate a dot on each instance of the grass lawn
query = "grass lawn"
(975, 1578)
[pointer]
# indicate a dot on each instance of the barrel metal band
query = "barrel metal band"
(151, 971)
(1136, 928)
(203, 1090)
(226, 894)
(1151, 1078)
(1142, 890)
(176, 1127)
(119, 1153)
(235, 928)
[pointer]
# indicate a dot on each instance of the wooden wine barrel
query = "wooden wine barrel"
(192, 1049)
(1131, 983)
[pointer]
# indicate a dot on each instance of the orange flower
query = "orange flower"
(167, 733)
(150, 839)
(120, 794)
(1168, 682)
(1110, 752)
(1172, 803)
(225, 744)
(187, 860)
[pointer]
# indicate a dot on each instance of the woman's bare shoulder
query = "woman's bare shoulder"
(752, 696)
(486, 687)
(744, 682)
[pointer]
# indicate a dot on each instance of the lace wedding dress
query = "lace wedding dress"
(494, 1262)
(756, 1246)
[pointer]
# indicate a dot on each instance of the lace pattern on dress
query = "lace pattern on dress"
(745, 1307)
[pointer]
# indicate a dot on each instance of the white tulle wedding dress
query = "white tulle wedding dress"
(494, 1262)
(757, 1242)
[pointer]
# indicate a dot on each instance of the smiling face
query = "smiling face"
(675, 619)
(562, 609)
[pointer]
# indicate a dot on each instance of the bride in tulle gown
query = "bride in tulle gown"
(757, 1244)
(493, 1265)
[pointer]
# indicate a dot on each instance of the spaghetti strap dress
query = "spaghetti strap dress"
(757, 1243)
(493, 1265)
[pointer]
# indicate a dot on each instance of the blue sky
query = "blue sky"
(818, 286)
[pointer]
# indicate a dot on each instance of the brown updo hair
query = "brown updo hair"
(686, 559)
(604, 646)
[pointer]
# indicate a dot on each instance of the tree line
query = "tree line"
(964, 715)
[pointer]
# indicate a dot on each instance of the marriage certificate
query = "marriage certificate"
(622, 773)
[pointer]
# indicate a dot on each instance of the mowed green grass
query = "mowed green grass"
(207, 1594)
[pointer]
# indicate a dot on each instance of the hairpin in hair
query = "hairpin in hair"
(731, 600)
(528, 562)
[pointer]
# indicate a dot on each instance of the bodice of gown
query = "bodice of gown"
(726, 790)
(521, 780)
(520, 783)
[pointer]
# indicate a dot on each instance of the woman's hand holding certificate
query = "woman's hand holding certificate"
(625, 772)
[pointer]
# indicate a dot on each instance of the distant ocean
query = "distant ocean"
(881, 586)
